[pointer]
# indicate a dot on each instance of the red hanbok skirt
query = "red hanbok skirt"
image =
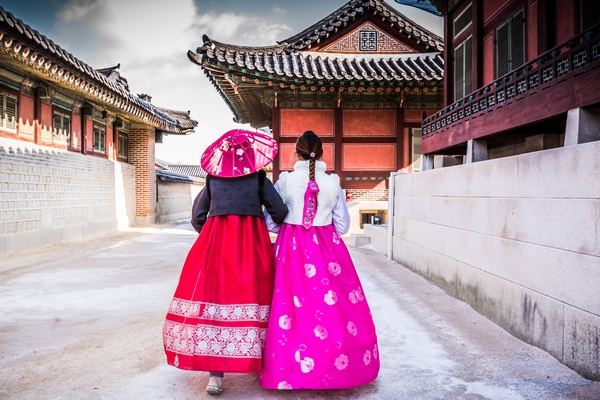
(217, 320)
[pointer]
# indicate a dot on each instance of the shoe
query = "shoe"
(214, 386)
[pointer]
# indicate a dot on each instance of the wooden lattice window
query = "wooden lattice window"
(510, 44)
(99, 140)
(8, 111)
(61, 128)
(463, 21)
(463, 69)
(590, 13)
(123, 146)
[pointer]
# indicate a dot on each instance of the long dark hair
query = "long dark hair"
(309, 147)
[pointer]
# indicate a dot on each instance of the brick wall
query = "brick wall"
(175, 200)
(50, 196)
(141, 156)
(368, 194)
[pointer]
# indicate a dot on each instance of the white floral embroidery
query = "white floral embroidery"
(356, 295)
(218, 312)
(310, 270)
(334, 268)
(331, 298)
(375, 352)
(325, 281)
(184, 308)
(321, 332)
(285, 322)
(336, 238)
(239, 152)
(367, 357)
(297, 302)
(352, 328)
(341, 362)
(307, 364)
(214, 341)
(284, 386)
(246, 170)
(297, 356)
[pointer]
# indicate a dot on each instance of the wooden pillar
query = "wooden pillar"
(400, 139)
(448, 57)
(338, 127)
(477, 45)
(276, 128)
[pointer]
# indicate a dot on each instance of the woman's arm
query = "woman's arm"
(200, 209)
(341, 215)
(271, 225)
(274, 205)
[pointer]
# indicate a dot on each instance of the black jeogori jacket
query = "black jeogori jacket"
(245, 195)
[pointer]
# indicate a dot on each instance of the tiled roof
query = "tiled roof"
(354, 8)
(279, 60)
(38, 52)
(169, 176)
(252, 79)
(190, 170)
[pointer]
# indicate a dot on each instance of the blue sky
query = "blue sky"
(150, 38)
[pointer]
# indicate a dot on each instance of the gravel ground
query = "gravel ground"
(84, 320)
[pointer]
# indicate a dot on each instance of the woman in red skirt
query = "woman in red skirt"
(217, 320)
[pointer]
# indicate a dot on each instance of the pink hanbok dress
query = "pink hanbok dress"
(321, 333)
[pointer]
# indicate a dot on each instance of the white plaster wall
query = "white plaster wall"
(518, 238)
(175, 200)
(50, 196)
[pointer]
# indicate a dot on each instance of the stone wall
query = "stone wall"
(175, 200)
(518, 239)
(50, 196)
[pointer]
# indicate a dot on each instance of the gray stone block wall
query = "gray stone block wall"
(50, 196)
(517, 238)
(175, 200)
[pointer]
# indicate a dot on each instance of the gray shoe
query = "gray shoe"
(214, 386)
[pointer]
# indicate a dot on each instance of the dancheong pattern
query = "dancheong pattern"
(378, 42)
(205, 340)
(219, 312)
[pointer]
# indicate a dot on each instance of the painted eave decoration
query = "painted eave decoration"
(326, 57)
(44, 59)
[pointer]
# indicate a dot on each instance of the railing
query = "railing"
(553, 66)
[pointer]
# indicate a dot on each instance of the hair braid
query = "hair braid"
(311, 169)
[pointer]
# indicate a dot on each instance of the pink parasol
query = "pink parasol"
(237, 153)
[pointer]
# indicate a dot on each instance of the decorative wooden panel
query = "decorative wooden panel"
(371, 36)
(369, 123)
(491, 7)
(287, 156)
(371, 157)
(295, 122)
(412, 115)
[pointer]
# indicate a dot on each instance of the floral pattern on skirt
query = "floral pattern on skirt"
(321, 333)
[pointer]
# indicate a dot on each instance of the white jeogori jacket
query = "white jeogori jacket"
(331, 202)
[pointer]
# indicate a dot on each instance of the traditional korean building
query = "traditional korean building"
(521, 76)
(362, 78)
(513, 230)
(76, 146)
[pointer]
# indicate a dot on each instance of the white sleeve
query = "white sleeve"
(341, 215)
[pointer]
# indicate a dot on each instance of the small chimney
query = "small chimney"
(146, 97)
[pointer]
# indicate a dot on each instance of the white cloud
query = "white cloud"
(151, 40)
(75, 10)
(240, 29)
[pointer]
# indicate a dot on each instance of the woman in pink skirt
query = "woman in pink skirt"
(321, 333)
